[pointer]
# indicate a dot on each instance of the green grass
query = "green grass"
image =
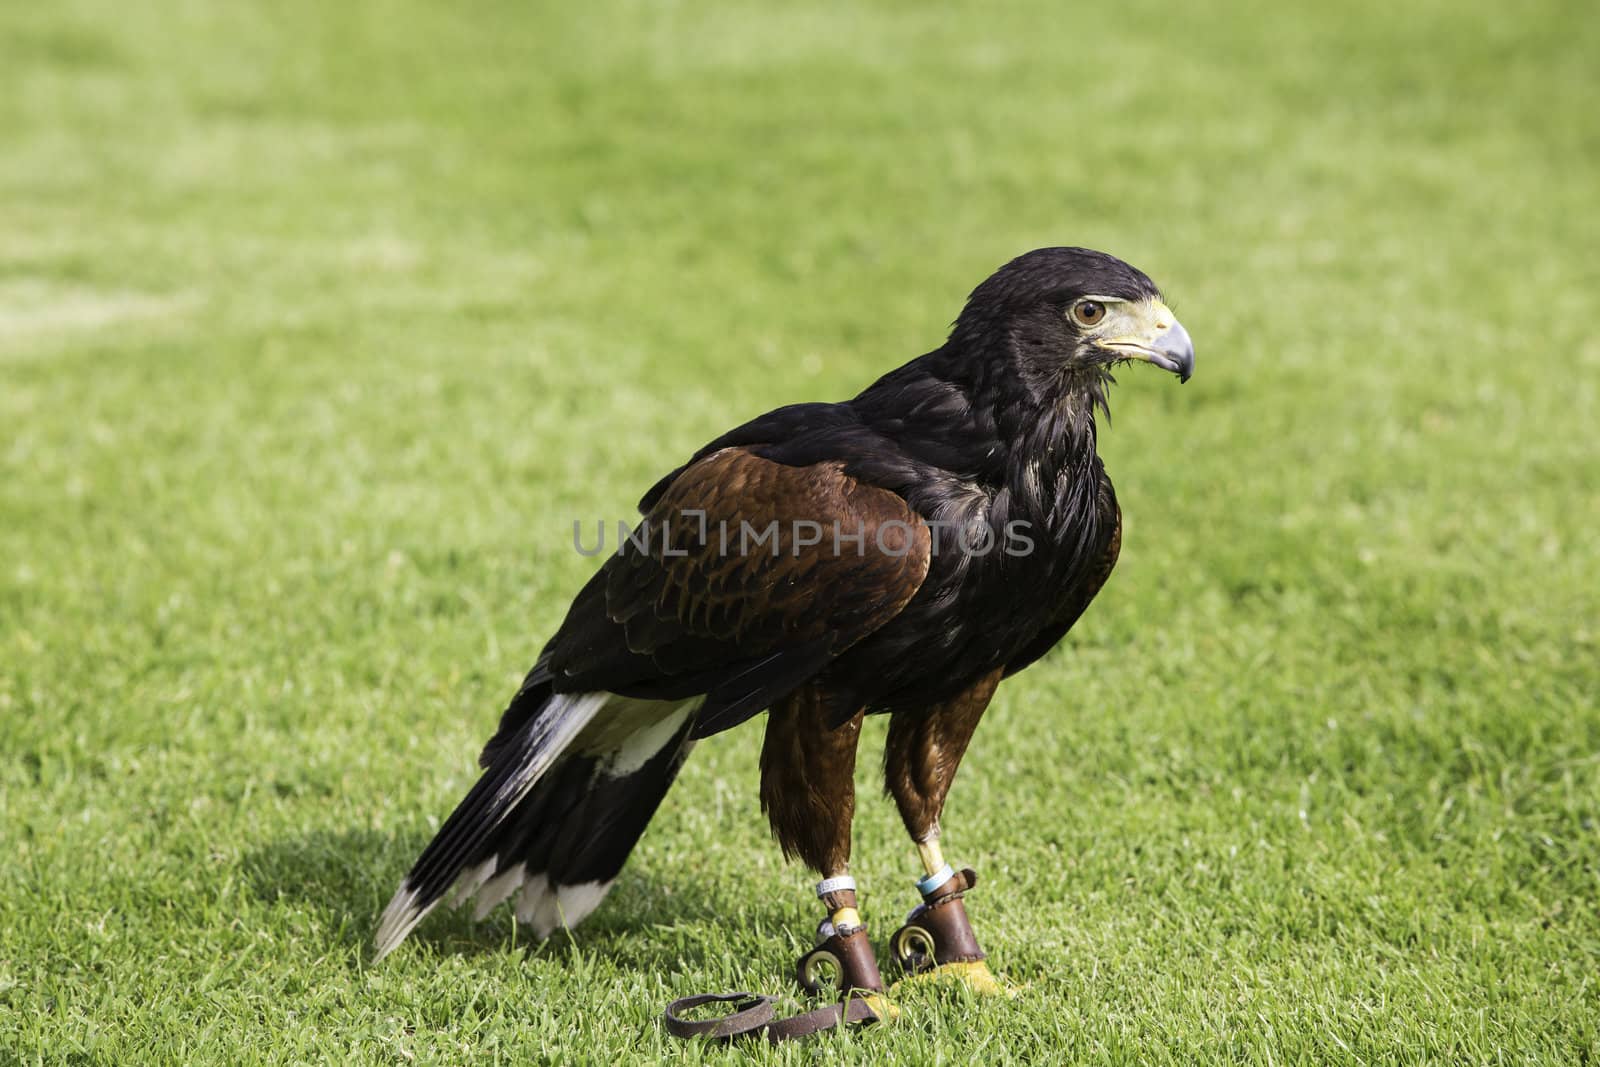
(319, 323)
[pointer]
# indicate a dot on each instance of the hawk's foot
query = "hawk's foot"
(973, 975)
(937, 942)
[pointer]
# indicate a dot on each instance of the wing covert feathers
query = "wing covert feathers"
(744, 578)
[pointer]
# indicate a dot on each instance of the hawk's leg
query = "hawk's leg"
(921, 756)
(808, 792)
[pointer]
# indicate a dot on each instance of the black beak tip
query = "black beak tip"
(1175, 352)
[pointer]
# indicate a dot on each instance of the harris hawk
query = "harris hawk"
(898, 553)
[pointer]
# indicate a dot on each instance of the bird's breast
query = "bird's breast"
(1000, 571)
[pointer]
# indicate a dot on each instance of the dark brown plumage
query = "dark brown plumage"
(824, 561)
(808, 789)
(922, 753)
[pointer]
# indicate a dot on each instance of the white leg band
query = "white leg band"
(834, 885)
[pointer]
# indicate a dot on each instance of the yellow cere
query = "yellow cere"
(1133, 326)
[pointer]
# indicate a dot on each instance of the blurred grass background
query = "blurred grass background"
(319, 324)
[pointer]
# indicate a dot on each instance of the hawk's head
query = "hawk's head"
(1060, 311)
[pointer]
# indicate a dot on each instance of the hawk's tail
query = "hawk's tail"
(562, 803)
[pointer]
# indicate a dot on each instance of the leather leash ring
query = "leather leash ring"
(751, 1012)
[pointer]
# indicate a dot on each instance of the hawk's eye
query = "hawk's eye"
(1088, 312)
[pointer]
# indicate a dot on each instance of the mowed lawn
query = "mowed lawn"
(321, 323)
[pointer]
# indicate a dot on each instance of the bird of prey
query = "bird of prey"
(899, 553)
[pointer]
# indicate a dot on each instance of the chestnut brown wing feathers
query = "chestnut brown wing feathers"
(744, 578)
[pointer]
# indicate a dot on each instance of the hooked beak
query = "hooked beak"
(1158, 338)
(1173, 351)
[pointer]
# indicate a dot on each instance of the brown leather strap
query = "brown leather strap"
(955, 886)
(751, 1012)
(752, 1015)
(938, 931)
(849, 1011)
(953, 938)
(844, 959)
